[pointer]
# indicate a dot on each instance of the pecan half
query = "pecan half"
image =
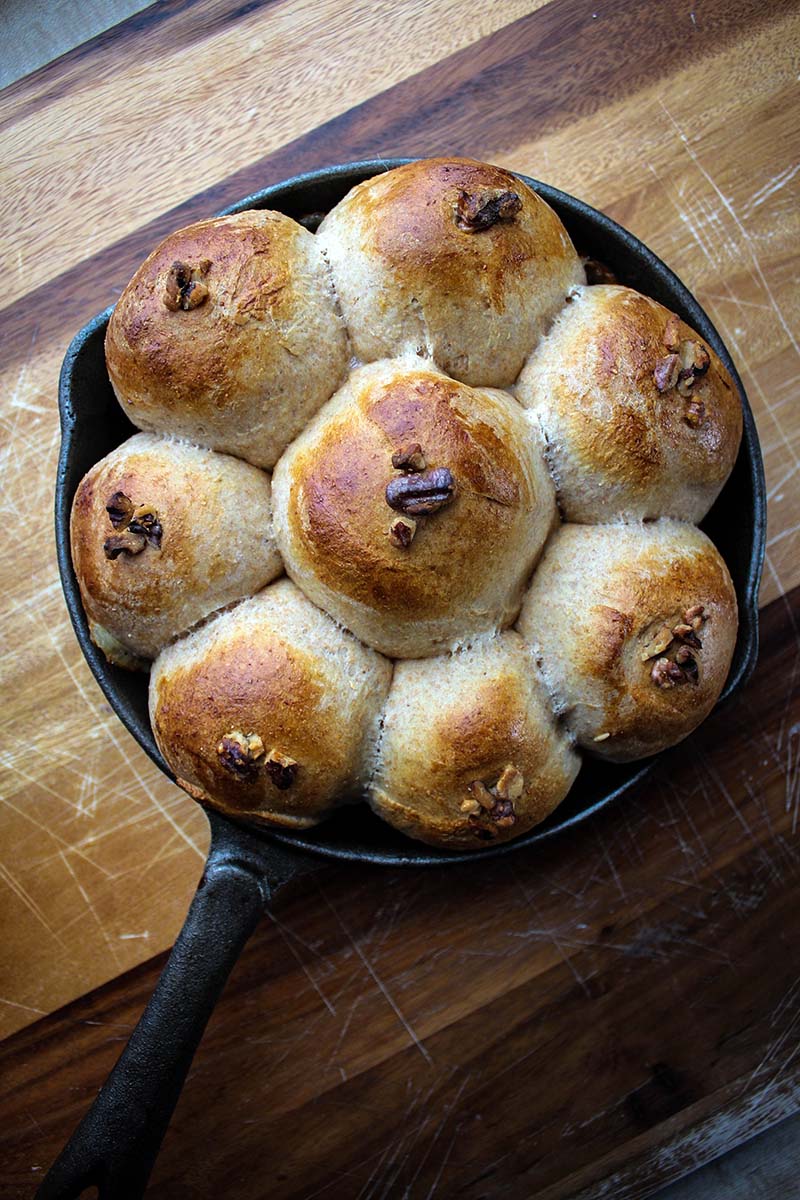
(694, 357)
(281, 769)
(241, 754)
(409, 458)
(401, 532)
(480, 210)
(124, 543)
(184, 288)
(120, 509)
(421, 493)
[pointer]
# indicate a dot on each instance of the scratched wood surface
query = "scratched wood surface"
(407, 1025)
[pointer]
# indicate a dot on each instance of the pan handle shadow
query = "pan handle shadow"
(116, 1144)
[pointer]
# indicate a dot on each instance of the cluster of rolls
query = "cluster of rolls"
(412, 517)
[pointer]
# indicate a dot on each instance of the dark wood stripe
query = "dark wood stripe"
(511, 87)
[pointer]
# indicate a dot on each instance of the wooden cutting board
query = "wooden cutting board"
(599, 1013)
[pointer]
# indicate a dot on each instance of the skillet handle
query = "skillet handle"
(117, 1142)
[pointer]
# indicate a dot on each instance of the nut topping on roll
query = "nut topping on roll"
(481, 508)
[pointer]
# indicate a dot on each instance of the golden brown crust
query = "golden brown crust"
(215, 542)
(277, 670)
(476, 724)
(412, 274)
(412, 213)
(618, 444)
(246, 368)
(333, 519)
(595, 613)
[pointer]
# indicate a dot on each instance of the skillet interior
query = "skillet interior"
(93, 423)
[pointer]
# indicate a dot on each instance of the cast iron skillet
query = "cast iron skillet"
(115, 1145)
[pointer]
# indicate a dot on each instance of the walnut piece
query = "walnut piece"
(481, 794)
(184, 288)
(666, 674)
(120, 510)
(672, 339)
(683, 666)
(495, 804)
(409, 458)
(666, 372)
(421, 493)
(480, 210)
(145, 521)
(686, 362)
(510, 784)
(401, 532)
(124, 543)
(282, 769)
(140, 523)
(695, 413)
(241, 754)
(657, 643)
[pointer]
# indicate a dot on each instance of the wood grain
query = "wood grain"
(588, 1018)
(401, 1034)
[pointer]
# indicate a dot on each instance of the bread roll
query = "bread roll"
(163, 534)
(470, 752)
(413, 581)
(628, 437)
(270, 711)
(228, 335)
(452, 259)
(634, 627)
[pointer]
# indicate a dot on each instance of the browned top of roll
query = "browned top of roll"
(278, 669)
(209, 539)
(227, 335)
(635, 628)
(627, 436)
(471, 554)
(419, 213)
